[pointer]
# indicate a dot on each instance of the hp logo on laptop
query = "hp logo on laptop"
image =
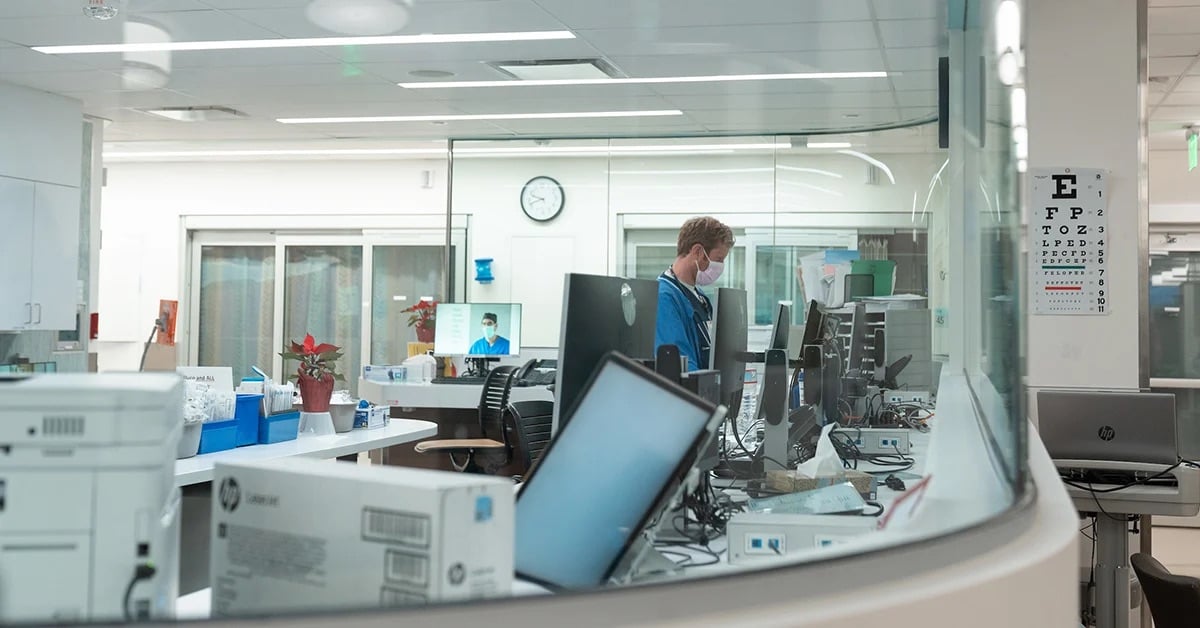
(1107, 433)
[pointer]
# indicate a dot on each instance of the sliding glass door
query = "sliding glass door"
(237, 299)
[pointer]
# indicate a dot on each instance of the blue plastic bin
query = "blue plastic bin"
(278, 427)
(218, 436)
(246, 415)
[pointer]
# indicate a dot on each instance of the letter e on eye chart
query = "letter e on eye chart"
(1068, 237)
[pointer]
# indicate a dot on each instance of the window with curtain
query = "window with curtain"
(237, 307)
(323, 297)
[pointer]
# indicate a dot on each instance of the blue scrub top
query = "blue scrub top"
(482, 347)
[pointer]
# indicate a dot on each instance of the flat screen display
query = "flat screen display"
(478, 329)
(630, 438)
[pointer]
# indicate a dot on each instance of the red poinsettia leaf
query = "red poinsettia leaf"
(325, 347)
(309, 343)
(297, 348)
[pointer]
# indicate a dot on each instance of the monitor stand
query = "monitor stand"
(479, 367)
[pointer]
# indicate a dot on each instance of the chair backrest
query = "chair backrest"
(493, 401)
(1174, 600)
(532, 421)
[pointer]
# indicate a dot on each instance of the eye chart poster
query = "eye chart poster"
(1067, 236)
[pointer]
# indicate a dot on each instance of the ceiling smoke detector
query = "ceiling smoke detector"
(101, 9)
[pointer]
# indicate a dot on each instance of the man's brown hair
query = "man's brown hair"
(705, 231)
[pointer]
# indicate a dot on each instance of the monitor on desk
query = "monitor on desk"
(729, 342)
(782, 327)
(629, 443)
(478, 330)
(600, 314)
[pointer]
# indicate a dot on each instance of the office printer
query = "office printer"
(89, 526)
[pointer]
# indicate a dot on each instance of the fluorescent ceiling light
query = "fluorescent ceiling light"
(828, 144)
(310, 42)
(299, 152)
(660, 148)
(716, 78)
(488, 116)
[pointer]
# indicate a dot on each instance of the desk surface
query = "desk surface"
(200, 468)
(440, 395)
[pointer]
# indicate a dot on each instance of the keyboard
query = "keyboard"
(475, 381)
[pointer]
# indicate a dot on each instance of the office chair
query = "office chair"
(493, 403)
(1174, 600)
(532, 422)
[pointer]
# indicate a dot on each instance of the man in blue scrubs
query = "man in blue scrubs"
(492, 342)
(684, 311)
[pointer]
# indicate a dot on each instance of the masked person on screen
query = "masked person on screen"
(492, 342)
(684, 311)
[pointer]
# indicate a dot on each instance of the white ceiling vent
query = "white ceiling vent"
(556, 69)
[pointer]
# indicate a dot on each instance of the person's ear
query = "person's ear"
(697, 250)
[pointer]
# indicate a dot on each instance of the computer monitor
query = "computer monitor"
(478, 330)
(729, 342)
(600, 314)
(858, 337)
(779, 331)
(649, 431)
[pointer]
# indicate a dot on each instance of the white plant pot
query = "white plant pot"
(189, 441)
(343, 416)
(316, 424)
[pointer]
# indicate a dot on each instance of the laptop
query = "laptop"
(1108, 426)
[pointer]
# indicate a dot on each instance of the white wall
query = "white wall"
(1174, 192)
(143, 202)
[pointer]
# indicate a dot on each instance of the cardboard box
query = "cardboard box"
(792, 482)
(296, 535)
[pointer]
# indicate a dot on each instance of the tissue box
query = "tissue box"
(792, 482)
(370, 418)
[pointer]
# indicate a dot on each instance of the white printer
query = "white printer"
(89, 526)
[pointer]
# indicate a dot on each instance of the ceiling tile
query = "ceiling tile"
(454, 17)
(1180, 98)
(911, 33)
(59, 82)
(774, 87)
(623, 126)
(1174, 21)
(917, 98)
(183, 26)
(491, 51)
(648, 16)
(629, 103)
(908, 59)
(1169, 66)
(905, 81)
(1173, 45)
(843, 102)
(74, 8)
(400, 71)
(1189, 113)
(716, 40)
(1188, 84)
(335, 76)
(21, 59)
(750, 63)
(908, 9)
(791, 119)
(99, 100)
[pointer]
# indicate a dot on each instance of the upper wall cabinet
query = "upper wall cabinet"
(42, 136)
(40, 238)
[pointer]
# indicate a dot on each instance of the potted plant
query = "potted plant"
(317, 372)
(423, 319)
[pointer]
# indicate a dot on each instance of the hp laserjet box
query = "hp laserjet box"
(294, 535)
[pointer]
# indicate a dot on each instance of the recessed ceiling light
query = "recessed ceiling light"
(431, 74)
(196, 114)
(655, 148)
(489, 116)
(309, 42)
(717, 78)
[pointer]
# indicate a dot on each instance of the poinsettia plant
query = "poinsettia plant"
(423, 314)
(317, 361)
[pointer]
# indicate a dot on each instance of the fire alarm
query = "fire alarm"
(101, 9)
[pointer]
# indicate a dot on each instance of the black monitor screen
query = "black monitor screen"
(600, 314)
(779, 332)
(729, 340)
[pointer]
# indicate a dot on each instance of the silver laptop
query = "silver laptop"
(1108, 426)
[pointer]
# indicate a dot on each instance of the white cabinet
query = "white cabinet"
(16, 240)
(39, 235)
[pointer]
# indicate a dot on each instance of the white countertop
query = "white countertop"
(199, 469)
(464, 396)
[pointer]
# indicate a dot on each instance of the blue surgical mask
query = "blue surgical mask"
(489, 331)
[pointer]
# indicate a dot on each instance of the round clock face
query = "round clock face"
(542, 199)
